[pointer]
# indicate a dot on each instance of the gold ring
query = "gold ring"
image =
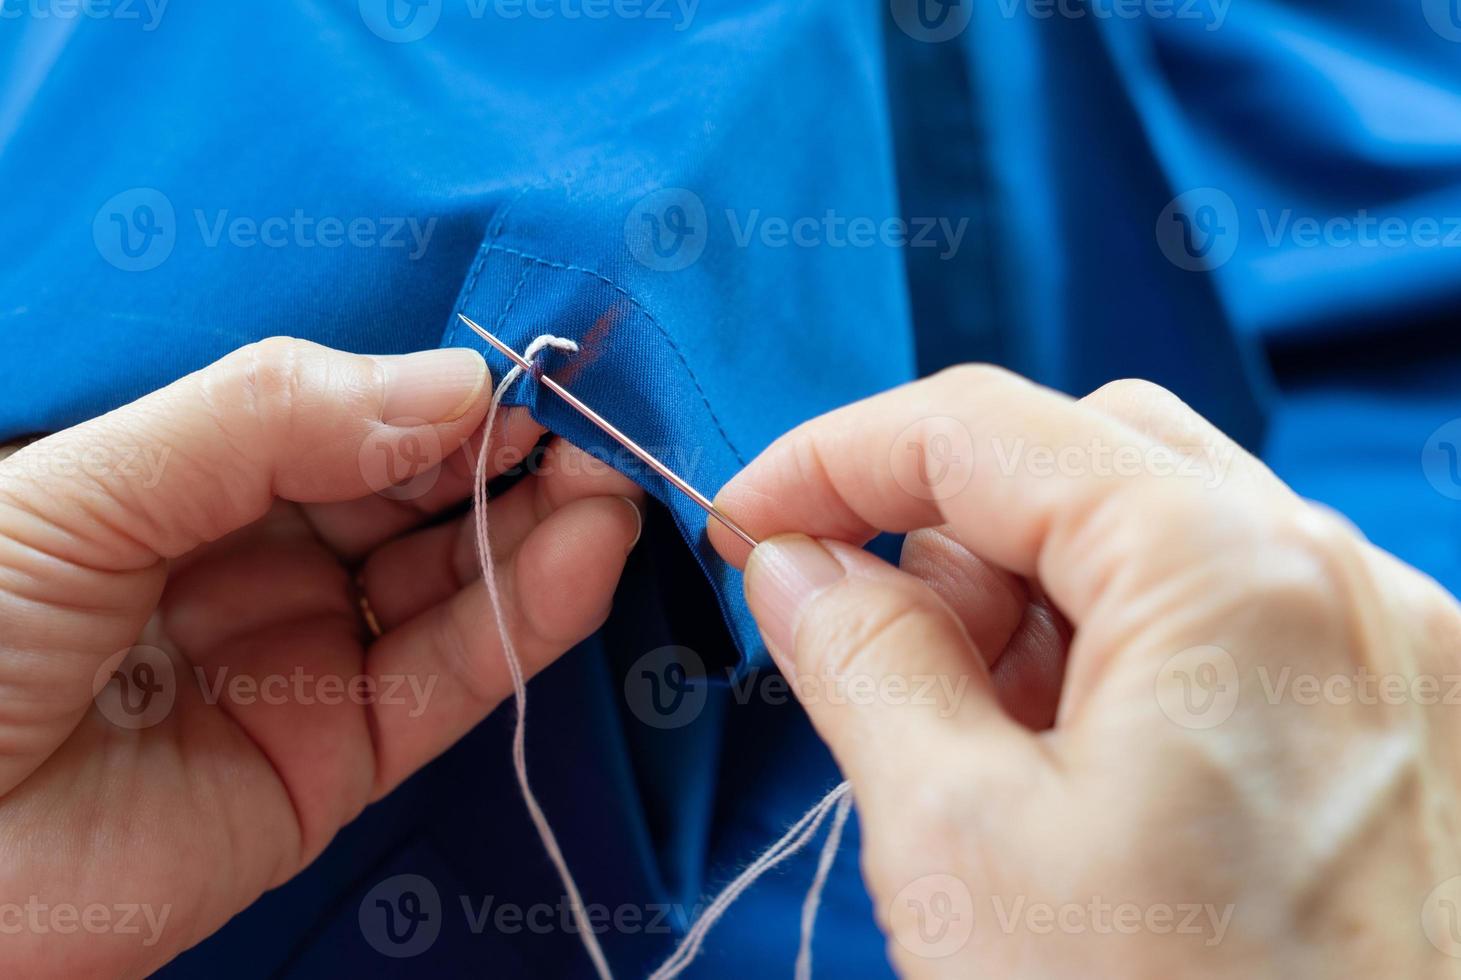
(366, 612)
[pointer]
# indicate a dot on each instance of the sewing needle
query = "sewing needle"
(644, 455)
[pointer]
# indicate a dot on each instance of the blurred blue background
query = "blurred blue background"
(757, 210)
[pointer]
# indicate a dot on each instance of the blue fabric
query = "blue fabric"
(357, 172)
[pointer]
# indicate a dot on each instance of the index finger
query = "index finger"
(1029, 479)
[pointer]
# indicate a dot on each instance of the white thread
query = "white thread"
(514, 665)
(790, 843)
(814, 894)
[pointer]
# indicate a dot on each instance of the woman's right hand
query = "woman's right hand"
(1253, 763)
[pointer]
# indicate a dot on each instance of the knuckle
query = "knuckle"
(964, 377)
(251, 397)
(805, 466)
(1317, 544)
(1258, 575)
(1299, 570)
(269, 378)
(272, 392)
(1132, 391)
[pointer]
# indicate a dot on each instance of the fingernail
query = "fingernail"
(783, 575)
(435, 385)
(638, 516)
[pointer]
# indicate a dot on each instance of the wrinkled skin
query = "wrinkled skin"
(1240, 740)
(234, 560)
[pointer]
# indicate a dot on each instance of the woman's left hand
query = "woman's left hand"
(149, 792)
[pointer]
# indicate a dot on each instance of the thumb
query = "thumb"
(209, 454)
(883, 667)
(87, 516)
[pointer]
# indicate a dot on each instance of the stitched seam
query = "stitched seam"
(512, 298)
(705, 400)
(494, 229)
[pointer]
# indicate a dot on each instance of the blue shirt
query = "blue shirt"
(748, 212)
